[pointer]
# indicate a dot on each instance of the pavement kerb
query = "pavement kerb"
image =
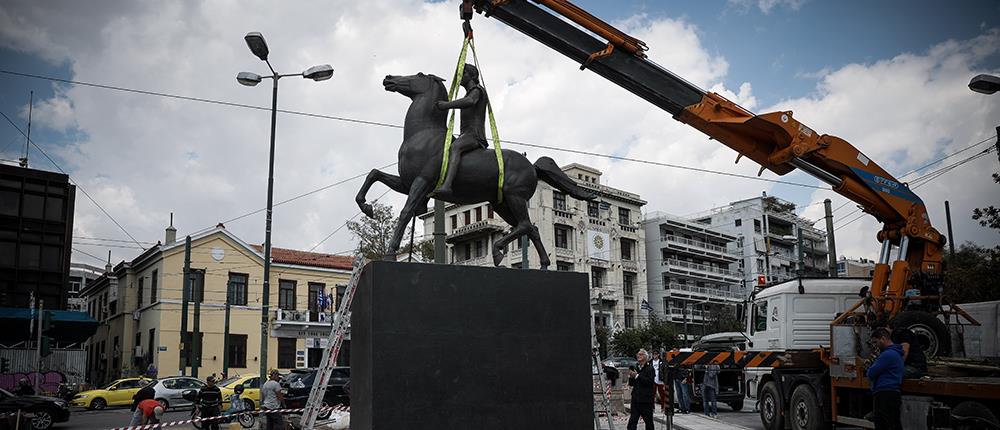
(693, 422)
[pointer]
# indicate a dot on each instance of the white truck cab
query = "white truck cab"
(795, 314)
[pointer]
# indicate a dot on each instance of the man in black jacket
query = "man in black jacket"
(643, 385)
(210, 403)
(144, 393)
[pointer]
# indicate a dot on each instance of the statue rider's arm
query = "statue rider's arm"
(470, 100)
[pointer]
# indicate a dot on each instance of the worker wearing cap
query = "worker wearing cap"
(151, 410)
(271, 398)
(210, 403)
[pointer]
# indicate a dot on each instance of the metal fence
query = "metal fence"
(62, 366)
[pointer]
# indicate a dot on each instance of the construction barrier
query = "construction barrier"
(232, 417)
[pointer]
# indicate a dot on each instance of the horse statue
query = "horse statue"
(476, 179)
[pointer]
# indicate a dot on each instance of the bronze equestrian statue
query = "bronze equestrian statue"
(475, 178)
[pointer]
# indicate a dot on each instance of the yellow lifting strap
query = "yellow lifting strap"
(448, 137)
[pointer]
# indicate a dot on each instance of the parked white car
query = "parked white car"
(169, 390)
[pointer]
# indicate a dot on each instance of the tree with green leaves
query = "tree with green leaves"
(973, 274)
(657, 333)
(988, 216)
(722, 318)
(374, 234)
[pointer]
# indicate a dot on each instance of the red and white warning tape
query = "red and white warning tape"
(334, 409)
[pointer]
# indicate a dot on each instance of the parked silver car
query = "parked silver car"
(170, 390)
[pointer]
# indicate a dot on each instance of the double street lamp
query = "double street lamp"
(255, 41)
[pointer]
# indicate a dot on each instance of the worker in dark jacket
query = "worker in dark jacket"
(914, 360)
(145, 393)
(885, 376)
(642, 380)
(210, 403)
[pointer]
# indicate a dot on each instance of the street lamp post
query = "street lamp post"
(258, 46)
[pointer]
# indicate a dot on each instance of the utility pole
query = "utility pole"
(947, 217)
(685, 317)
(439, 247)
(767, 247)
(199, 295)
(830, 242)
(225, 333)
(38, 344)
(798, 248)
(185, 297)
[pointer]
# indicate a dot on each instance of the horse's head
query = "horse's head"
(413, 85)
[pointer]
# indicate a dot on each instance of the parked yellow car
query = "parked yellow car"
(251, 389)
(117, 393)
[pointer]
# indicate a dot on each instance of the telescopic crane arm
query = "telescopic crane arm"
(776, 140)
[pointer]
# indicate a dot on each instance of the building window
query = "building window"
(756, 226)
(562, 234)
(480, 248)
(563, 266)
(151, 349)
(142, 282)
(489, 211)
(593, 209)
(200, 344)
(628, 284)
(628, 245)
(624, 216)
(286, 296)
(558, 200)
(479, 213)
(468, 217)
(152, 286)
(341, 290)
(739, 222)
(238, 351)
(629, 318)
(454, 222)
(597, 277)
(238, 289)
(286, 352)
(666, 282)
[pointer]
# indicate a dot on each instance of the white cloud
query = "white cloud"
(765, 6)
(144, 157)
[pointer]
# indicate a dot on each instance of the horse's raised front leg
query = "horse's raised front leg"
(391, 181)
(515, 212)
(417, 197)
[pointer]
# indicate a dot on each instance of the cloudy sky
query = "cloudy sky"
(890, 77)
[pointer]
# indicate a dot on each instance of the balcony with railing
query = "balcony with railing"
(702, 247)
(685, 267)
(307, 317)
(484, 226)
(705, 291)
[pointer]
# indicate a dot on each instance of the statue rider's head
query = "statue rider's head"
(470, 75)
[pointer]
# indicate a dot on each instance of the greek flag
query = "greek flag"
(322, 301)
(646, 307)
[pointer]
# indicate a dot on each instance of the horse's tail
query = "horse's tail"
(548, 171)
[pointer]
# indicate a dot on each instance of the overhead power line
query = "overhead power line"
(397, 126)
(92, 200)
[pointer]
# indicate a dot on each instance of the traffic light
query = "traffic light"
(4, 365)
(45, 348)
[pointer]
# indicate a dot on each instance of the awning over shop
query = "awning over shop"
(67, 326)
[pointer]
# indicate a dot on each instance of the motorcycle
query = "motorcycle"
(238, 409)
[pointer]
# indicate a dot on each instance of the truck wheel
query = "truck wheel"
(804, 412)
(737, 405)
(770, 407)
(973, 409)
(933, 334)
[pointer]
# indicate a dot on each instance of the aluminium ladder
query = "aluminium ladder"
(341, 323)
(601, 387)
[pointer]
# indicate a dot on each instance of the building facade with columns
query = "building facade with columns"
(602, 238)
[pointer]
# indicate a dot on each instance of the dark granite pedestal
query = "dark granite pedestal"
(454, 347)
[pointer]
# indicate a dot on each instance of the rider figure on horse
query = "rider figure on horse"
(473, 132)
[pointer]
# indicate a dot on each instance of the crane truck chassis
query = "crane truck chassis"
(807, 388)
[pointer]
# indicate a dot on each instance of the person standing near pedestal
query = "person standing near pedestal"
(642, 382)
(710, 389)
(661, 389)
(681, 389)
(271, 398)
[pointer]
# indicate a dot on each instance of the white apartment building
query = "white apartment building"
(768, 235)
(603, 238)
(691, 270)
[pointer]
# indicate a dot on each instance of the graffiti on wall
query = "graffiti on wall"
(48, 382)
